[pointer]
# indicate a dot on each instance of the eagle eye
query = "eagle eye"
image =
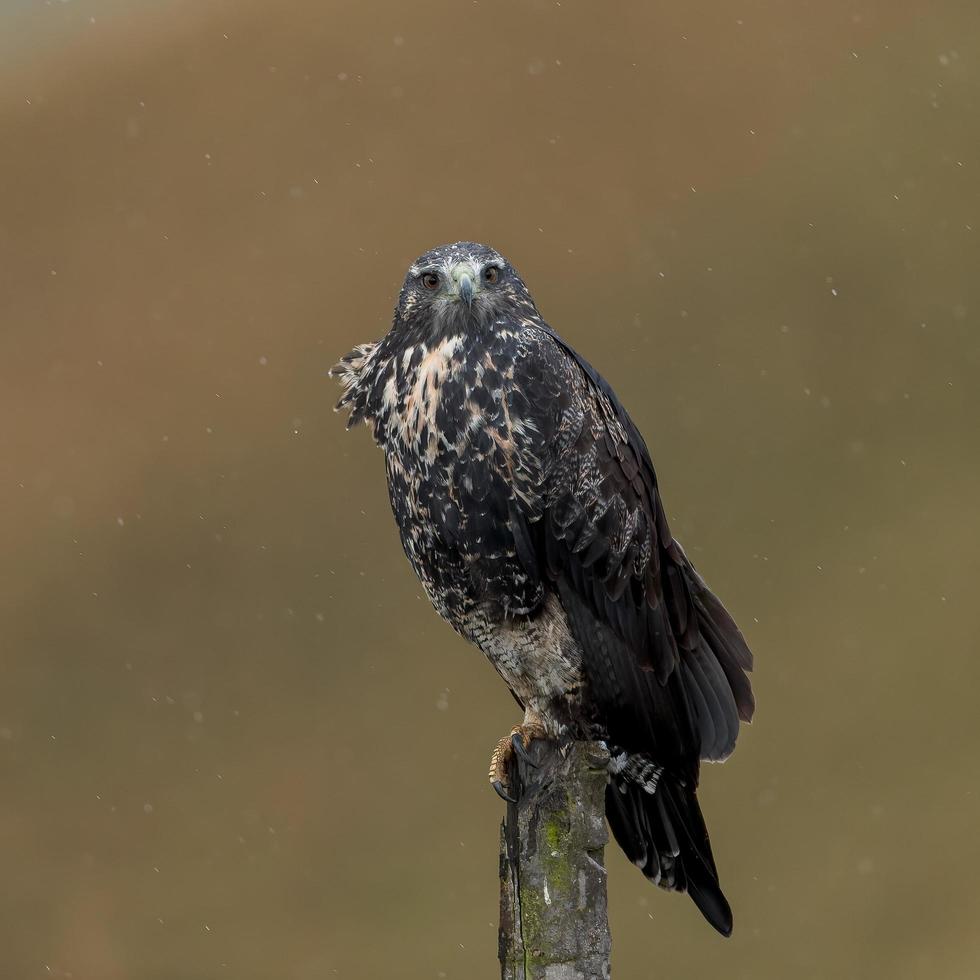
(491, 274)
(429, 279)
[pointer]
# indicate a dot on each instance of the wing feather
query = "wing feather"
(665, 662)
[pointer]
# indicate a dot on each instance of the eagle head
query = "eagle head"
(456, 288)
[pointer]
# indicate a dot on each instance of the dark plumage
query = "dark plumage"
(528, 506)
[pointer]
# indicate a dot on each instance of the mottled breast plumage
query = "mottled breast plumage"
(462, 449)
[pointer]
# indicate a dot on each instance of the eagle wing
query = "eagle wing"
(665, 662)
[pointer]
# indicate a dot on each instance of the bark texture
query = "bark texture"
(553, 922)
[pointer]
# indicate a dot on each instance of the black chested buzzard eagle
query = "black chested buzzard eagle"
(528, 507)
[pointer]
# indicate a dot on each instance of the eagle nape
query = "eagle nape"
(528, 505)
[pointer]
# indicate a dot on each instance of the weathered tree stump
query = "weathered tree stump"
(553, 922)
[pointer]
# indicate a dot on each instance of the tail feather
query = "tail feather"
(663, 833)
(725, 642)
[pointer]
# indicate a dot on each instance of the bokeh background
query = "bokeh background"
(235, 741)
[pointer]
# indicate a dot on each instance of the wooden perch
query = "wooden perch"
(553, 923)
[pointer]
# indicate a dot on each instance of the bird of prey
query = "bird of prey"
(528, 506)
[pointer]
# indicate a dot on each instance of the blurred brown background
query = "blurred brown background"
(234, 739)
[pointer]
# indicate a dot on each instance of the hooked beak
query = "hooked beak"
(464, 278)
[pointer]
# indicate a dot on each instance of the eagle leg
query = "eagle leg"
(513, 745)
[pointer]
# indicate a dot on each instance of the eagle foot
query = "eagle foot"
(514, 744)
